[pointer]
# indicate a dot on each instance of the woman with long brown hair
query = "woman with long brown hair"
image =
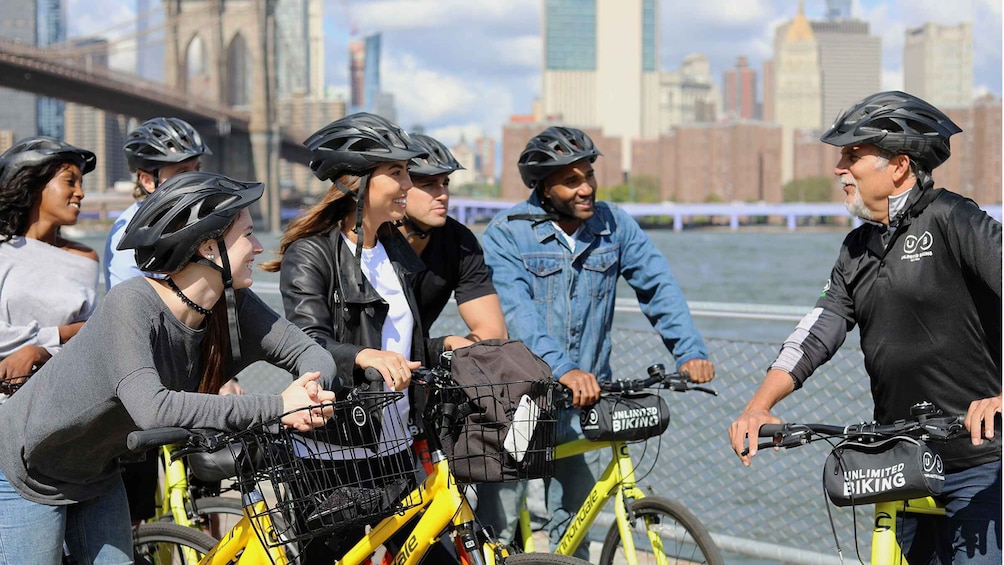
(346, 274)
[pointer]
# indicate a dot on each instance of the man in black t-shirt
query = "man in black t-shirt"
(452, 255)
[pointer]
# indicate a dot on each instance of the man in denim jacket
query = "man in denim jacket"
(555, 262)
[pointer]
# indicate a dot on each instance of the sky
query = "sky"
(462, 67)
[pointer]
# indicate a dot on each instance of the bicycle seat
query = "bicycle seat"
(216, 466)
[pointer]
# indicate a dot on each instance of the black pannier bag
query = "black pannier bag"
(625, 417)
(506, 418)
(898, 468)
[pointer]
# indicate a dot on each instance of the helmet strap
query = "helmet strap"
(364, 181)
(228, 292)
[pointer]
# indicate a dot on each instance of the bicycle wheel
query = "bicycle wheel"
(167, 543)
(542, 559)
(665, 526)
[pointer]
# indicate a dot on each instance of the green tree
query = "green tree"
(809, 189)
(641, 188)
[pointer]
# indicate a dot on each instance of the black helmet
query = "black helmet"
(438, 161)
(552, 149)
(899, 123)
(357, 144)
(162, 141)
(185, 211)
(39, 150)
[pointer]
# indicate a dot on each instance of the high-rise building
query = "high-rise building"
(740, 91)
(357, 63)
(798, 93)
(371, 71)
(850, 59)
(938, 64)
(304, 114)
(51, 31)
(299, 62)
(592, 77)
(484, 159)
(19, 110)
(150, 40)
(101, 132)
(464, 154)
(41, 23)
(686, 96)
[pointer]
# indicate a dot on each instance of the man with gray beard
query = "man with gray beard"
(922, 279)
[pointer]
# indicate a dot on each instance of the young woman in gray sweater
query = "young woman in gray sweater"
(152, 355)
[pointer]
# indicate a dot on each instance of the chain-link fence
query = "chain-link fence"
(773, 511)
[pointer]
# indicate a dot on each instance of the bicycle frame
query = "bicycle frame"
(442, 503)
(885, 548)
(617, 481)
(175, 488)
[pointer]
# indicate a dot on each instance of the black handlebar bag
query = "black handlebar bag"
(625, 417)
(898, 468)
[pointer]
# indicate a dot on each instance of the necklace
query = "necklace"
(188, 301)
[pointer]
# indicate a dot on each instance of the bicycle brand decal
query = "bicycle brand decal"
(933, 464)
(580, 519)
(409, 547)
(916, 248)
(858, 482)
(358, 416)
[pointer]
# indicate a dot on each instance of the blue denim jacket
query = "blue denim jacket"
(560, 301)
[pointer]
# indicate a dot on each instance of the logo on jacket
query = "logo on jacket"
(916, 248)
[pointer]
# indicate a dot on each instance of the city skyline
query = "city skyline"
(458, 67)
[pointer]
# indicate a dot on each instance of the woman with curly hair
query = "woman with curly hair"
(48, 284)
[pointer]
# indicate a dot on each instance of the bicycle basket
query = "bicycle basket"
(897, 468)
(317, 482)
(625, 417)
(501, 431)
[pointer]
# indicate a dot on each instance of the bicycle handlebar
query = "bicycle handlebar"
(676, 382)
(928, 424)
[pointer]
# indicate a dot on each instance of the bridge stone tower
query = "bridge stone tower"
(224, 51)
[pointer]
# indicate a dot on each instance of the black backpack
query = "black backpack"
(493, 377)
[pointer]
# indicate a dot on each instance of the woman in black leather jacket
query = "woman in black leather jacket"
(357, 301)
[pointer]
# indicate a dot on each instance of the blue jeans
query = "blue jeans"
(970, 531)
(499, 503)
(96, 532)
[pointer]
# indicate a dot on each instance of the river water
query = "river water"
(749, 266)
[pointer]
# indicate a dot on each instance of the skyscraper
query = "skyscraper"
(299, 47)
(371, 71)
(797, 84)
(35, 22)
(850, 59)
(150, 40)
(592, 76)
(938, 64)
(739, 86)
(357, 63)
(51, 31)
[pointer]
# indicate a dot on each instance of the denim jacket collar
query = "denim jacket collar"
(592, 228)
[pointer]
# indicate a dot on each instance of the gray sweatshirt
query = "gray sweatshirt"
(134, 366)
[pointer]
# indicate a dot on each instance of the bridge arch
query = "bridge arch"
(196, 77)
(239, 72)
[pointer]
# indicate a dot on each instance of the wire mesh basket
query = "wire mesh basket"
(356, 470)
(499, 432)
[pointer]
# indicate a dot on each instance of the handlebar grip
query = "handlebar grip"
(372, 375)
(141, 440)
(771, 430)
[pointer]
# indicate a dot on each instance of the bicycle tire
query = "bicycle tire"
(228, 510)
(542, 559)
(688, 541)
(149, 539)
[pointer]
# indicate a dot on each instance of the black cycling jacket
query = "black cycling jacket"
(928, 303)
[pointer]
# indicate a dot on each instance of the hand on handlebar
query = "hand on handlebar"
(980, 418)
(744, 432)
(585, 389)
(700, 370)
(396, 370)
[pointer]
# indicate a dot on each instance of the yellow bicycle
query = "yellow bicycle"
(290, 501)
(927, 424)
(647, 529)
